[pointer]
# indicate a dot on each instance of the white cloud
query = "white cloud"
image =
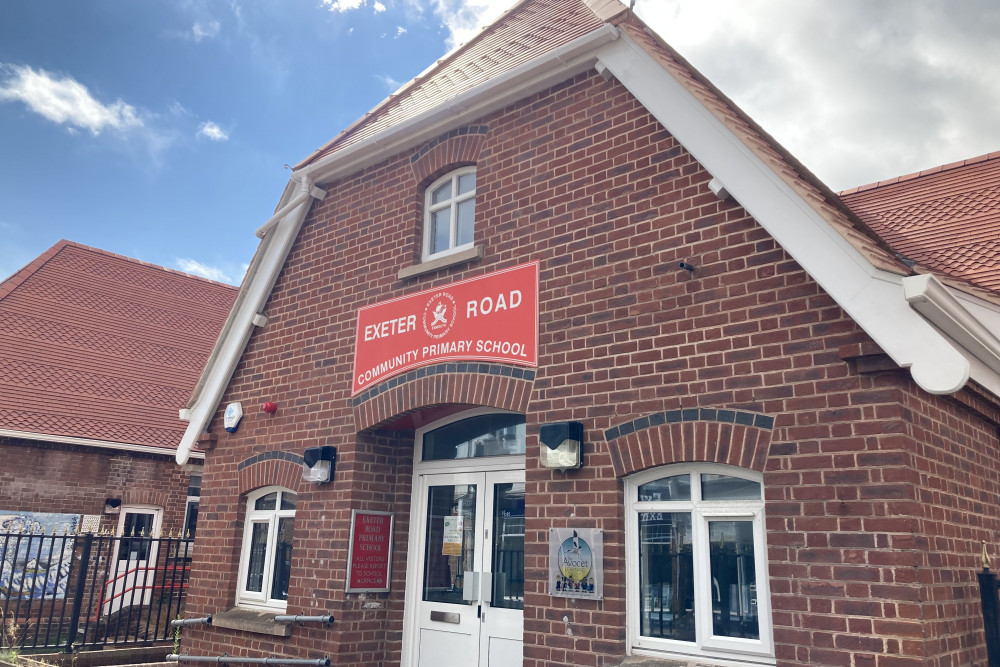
(196, 268)
(859, 91)
(64, 100)
(390, 84)
(464, 18)
(343, 5)
(207, 30)
(378, 7)
(400, 31)
(212, 131)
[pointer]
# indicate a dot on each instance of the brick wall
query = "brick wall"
(877, 494)
(46, 477)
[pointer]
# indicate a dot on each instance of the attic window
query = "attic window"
(450, 214)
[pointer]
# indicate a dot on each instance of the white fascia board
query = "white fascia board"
(257, 285)
(87, 442)
(945, 310)
(872, 297)
(543, 72)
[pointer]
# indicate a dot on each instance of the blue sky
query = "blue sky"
(161, 130)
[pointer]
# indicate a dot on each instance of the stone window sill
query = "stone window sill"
(471, 254)
(251, 620)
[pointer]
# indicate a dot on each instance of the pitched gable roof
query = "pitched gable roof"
(566, 37)
(529, 29)
(102, 349)
(946, 218)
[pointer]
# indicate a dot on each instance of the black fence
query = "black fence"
(89, 591)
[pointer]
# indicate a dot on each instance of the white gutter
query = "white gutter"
(257, 285)
(928, 296)
(88, 442)
(869, 295)
(313, 192)
(546, 70)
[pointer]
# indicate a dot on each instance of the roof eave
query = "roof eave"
(870, 295)
(90, 442)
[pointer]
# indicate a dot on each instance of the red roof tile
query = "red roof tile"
(529, 29)
(98, 346)
(946, 219)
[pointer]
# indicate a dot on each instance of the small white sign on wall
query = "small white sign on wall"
(576, 563)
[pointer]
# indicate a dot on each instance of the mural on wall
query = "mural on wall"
(36, 552)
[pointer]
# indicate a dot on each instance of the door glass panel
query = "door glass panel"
(677, 487)
(485, 435)
(450, 542)
(666, 576)
(282, 559)
(268, 502)
(258, 551)
(137, 533)
(724, 487)
(734, 579)
(508, 546)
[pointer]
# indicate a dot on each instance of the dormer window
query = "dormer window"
(450, 214)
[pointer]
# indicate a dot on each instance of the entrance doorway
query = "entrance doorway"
(133, 566)
(465, 578)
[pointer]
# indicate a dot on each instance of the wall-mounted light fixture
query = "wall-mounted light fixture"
(318, 463)
(112, 505)
(561, 445)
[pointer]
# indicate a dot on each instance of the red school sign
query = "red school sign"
(489, 318)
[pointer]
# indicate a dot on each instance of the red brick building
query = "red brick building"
(96, 352)
(789, 434)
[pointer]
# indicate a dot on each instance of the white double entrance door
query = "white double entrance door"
(465, 578)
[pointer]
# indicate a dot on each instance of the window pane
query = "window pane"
(677, 487)
(666, 576)
(268, 502)
(282, 559)
(508, 546)
(442, 193)
(734, 579)
(190, 519)
(466, 183)
(287, 500)
(194, 484)
(466, 221)
(450, 542)
(258, 552)
(486, 435)
(440, 230)
(724, 487)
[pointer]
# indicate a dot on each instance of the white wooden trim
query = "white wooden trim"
(869, 295)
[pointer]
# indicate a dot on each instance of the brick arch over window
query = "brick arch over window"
(488, 385)
(453, 149)
(142, 496)
(734, 437)
(282, 469)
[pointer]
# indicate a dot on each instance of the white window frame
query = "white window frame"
(451, 204)
(252, 517)
(706, 645)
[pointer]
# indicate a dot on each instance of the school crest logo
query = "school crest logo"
(439, 315)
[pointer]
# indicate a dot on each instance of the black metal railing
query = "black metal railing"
(90, 591)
